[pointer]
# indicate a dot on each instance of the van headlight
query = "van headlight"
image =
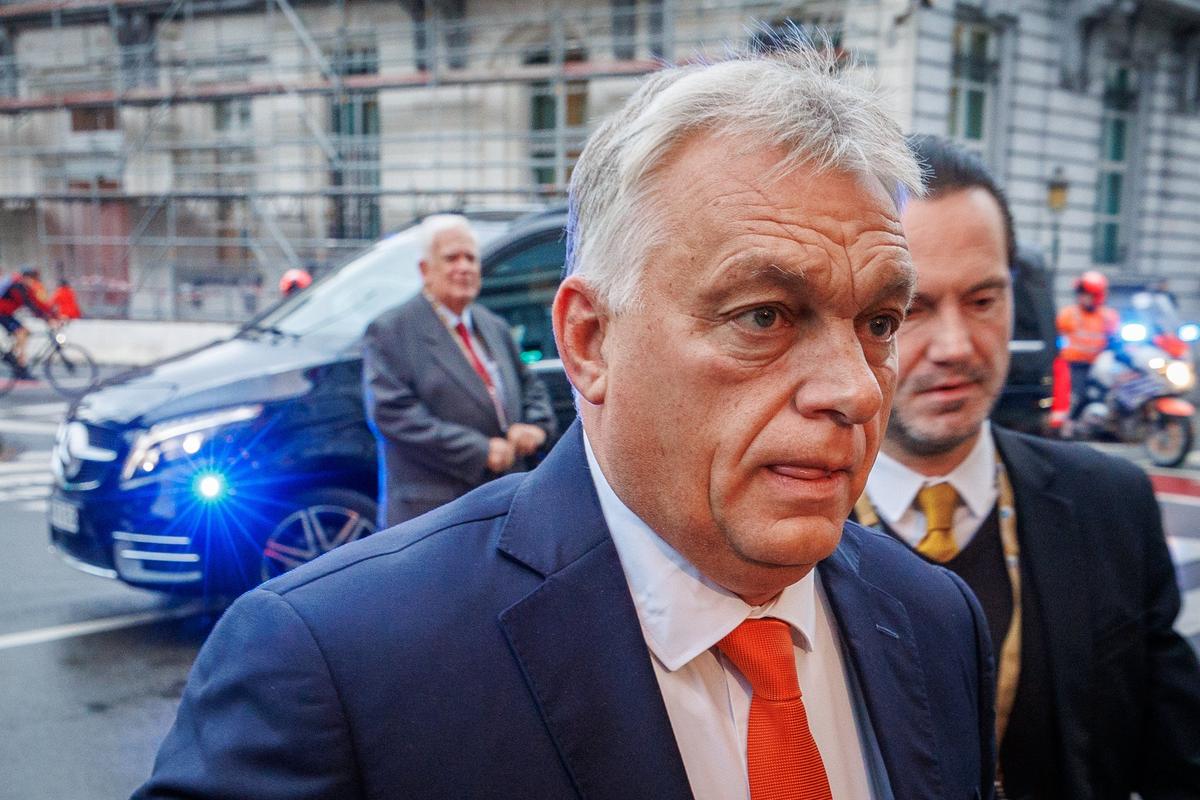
(180, 438)
(1180, 375)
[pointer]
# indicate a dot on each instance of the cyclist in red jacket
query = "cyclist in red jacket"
(17, 290)
(64, 302)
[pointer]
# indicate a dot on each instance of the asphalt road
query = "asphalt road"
(91, 671)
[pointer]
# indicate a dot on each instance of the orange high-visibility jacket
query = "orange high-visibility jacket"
(1087, 332)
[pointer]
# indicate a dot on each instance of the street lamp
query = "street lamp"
(1056, 201)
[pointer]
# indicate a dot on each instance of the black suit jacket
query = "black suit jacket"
(1125, 685)
(431, 414)
(491, 649)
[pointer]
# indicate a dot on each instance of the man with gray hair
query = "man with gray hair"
(449, 399)
(672, 604)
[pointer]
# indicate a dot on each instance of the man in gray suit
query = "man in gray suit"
(449, 399)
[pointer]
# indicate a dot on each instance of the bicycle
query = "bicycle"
(68, 368)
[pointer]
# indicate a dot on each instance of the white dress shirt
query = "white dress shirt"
(892, 489)
(683, 615)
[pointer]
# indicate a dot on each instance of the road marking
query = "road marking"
(74, 629)
(33, 478)
(1184, 551)
(1174, 483)
(1188, 621)
(27, 426)
(24, 467)
(46, 409)
(24, 493)
(1179, 499)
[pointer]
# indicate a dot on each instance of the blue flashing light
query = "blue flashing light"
(210, 487)
(1189, 332)
(1133, 332)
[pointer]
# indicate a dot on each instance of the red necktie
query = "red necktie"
(463, 334)
(782, 755)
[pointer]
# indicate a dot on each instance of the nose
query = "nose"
(840, 383)
(949, 337)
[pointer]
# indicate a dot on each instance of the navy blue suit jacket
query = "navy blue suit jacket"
(491, 649)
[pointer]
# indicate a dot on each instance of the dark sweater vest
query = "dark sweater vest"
(1028, 754)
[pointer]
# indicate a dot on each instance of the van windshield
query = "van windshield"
(343, 303)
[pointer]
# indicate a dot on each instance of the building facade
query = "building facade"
(172, 158)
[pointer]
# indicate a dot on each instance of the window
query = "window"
(520, 287)
(232, 115)
(545, 137)
(624, 28)
(973, 71)
(1116, 124)
(354, 123)
(822, 29)
(99, 118)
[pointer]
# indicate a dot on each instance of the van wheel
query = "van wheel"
(324, 519)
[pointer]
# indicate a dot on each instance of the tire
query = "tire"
(1170, 440)
(71, 370)
(320, 520)
(8, 373)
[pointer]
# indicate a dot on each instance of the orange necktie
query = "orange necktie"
(784, 763)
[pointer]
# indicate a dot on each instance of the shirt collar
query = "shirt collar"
(893, 486)
(448, 317)
(682, 612)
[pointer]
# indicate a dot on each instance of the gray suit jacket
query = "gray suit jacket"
(431, 414)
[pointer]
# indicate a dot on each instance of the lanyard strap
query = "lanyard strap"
(1009, 662)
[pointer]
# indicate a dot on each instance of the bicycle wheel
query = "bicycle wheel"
(70, 370)
(8, 373)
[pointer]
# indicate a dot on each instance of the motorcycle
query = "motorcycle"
(1137, 398)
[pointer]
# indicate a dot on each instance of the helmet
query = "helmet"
(293, 281)
(1094, 283)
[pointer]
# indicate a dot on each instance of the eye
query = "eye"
(983, 303)
(763, 318)
(883, 326)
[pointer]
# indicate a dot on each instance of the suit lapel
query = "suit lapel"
(877, 637)
(578, 639)
(446, 352)
(1052, 559)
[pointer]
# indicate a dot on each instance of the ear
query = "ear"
(580, 324)
(423, 265)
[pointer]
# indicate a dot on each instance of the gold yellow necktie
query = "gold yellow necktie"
(937, 503)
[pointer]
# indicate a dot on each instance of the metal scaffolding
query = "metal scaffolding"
(172, 158)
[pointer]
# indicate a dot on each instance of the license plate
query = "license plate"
(64, 516)
(1132, 394)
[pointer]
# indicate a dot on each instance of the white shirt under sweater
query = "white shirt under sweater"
(892, 489)
(683, 615)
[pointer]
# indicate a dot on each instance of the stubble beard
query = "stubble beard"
(915, 442)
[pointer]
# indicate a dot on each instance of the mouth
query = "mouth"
(948, 389)
(804, 473)
(811, 475)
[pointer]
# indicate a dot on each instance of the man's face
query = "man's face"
(745, 393)
(954, 344)
(1086, 300)
(451, 272)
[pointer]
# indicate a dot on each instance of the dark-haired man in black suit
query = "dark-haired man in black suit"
(1097, 696)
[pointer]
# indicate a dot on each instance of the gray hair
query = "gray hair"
(800, 101)
(435, 224)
